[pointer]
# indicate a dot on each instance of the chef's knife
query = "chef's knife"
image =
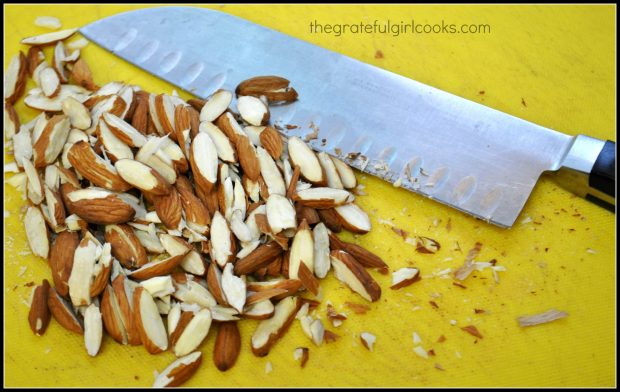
(471, 157)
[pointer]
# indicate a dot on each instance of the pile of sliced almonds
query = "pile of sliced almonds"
(161, 217)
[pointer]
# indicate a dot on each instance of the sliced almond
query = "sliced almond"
(223, 145)
(222, 244)
(227, 346)
(99, 206)
(214, 281)
(363, 256)
(35, 57)
(196, 214)
(193, 333)
(142, 177)
(148, 322)
(353, 218)
(49, 22)
(115, 148)
(11, 121)
(126, 246)
(37, 100)
(404, 277)
(233, 288)
(49, 145)
(192, 291)
(95, 169)
(169, 209)
(77, 113)
(426, 245)
(101, 271)
(290, 285)
(48, 38)
(216, 105)
(112, 316)
(35, 190)
(63, 312)
(93, 329)
(123, 290)
(347, 176)
(39, 315)
(270, 173)
(302, 251)
(157, 268)
(81, 279)
(309, 165)
(179, 371)
(15, 78)
(81, 75)
(61, 260)
(49, 81)
(333, 178)
(368, 340)
(253, 110)
(271, 141)
(322, 198)
(203, 159)
(123, 131)
(59, 57)
(270, 330)
(322, 262)
(280, 213)
(260, 257)
(260, 310)
(165, 112)
(36, 232)
(350, 272)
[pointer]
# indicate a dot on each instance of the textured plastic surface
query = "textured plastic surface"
(550, 65)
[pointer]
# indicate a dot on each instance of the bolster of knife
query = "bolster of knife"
(588, 170)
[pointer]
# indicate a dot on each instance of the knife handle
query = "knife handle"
(588, 170)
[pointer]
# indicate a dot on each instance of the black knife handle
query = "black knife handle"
(603, 176)
(588, 170)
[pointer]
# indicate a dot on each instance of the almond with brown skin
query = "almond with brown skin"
(307, 278)
(140, 119)
(196, 214)
(290, 285)
(169, 209)
(252, 110)
(258, 258)
(123, 290)
(15, 78)
(11, 121)
(148, 322)
(274, 88)
(350, 272)
(61, 260)
(264, 295)
(95, 169)
(222, 240)
(216, 105)
(306, 213)
(99, 206)
(227, 346)
(111, 314)
(63, 312)
(301, 251)
(126, 246)
(353, 218)
(39, 315)
(404, 277)
(362, 255)
(123, 131)
(197, 103)
(347, 176)
(143, 177)
(52, 140)
(214, 282)
(270, 330)
(157, 268)
(179, 371)
(303, 156)
(203, 160)
(191, 335)
(48, 38)
(322, 198)
(35, 57)
(81, 75)
(36, 232)
(271, 141)
(165, 113)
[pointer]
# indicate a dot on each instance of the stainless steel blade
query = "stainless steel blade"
(471, 157)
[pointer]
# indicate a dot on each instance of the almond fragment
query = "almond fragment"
(310, 167)
(15, 78)
(368, 340)
(322, 262)
(271, 141)
(225, 150)
(63, 312)
(84, 260)
(330, 219)
(270, 330)
(58, 62)
(169, 209)
(93, 329)
(81, 75)
(404, 277)
(36, 232)
(115, 149)
(426, 245)
(308, 280)
(363, 256)
(227, 346)
(157, 268)
(350, 272)
(149, 323)
(347, 176)
(47, 147)
(472, 330)
(222, 240)
(35, 57)
(196, 214)
(123, 291)
(39, 315)
(274, 88)
(48, 38)
(290, 285)
(142, 177)
(280, 213)
(179, 371)
(353, 218)
(48, 22)
(233, 288)
(112, 316)
(333, 178)
(203, 159)
(301, 353)
(49, 81)
(216, 105)
(270, 173)
(11, 121)
(214, 282)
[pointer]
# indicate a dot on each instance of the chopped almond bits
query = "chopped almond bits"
(542, 318)
(161, 216)
(472, 330)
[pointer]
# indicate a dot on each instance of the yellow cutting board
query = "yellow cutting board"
(553, 65)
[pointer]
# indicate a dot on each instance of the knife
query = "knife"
(463, 154)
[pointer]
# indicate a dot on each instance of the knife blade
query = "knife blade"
(463, 154)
